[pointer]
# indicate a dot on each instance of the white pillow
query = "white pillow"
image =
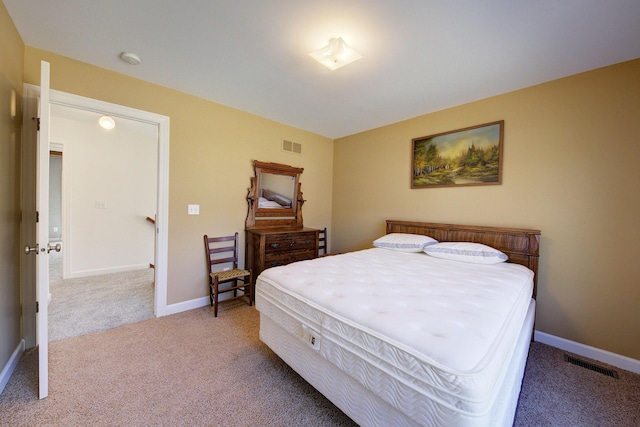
(404, 242)
(476, 253)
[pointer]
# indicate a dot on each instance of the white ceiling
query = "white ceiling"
(420, 56)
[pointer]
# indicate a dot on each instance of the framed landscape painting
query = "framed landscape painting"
(469, 156)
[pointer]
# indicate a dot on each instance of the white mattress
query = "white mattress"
(429, 337)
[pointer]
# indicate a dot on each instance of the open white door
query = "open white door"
(41, 248)
(42, 234)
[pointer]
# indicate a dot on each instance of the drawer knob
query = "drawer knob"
(275, 245)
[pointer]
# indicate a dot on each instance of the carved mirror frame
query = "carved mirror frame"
(288, 215)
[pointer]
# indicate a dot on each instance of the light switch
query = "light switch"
(193, 210)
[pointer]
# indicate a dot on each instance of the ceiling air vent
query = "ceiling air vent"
(291, 147)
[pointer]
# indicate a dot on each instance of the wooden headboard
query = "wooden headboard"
(521, 245)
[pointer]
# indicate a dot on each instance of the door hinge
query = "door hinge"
(37, 119)
(37, 216)
(37, 307)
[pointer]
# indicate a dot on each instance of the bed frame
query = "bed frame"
(520, 244)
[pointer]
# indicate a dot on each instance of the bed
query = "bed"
(396, 336)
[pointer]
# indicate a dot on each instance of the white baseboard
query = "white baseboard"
(622, 362)
(8, 369)
(190, 305)
(100, 271)
(187, 305)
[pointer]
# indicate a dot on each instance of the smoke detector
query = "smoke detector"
(130, 58)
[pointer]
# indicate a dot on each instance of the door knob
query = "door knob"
(56, 248)
(30, 249)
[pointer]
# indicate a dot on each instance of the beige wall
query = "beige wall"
(11, 71)
(571, 169)
(211, 152)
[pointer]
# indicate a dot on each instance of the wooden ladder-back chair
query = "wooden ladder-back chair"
(224, 250)
(322, 242)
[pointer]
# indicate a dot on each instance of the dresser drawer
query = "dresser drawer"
(283, 258)
(290, 242)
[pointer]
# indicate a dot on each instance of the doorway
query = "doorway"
(58, 98)
(102, 189)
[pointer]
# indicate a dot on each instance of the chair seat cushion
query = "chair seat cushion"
(229, 274)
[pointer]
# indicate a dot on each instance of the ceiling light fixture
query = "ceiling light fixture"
(336, 54)
(107, 122)
(130, 58)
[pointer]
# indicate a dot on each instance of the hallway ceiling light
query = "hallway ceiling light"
(336, 54)
(107, 122)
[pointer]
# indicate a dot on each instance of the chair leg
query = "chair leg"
(211, 293)
(248, 290)
(215, 296)
(244, 289)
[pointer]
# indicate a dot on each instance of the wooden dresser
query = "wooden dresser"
(272, 247)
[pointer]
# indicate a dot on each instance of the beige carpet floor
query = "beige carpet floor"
(90, 304)
(192, 369)
(186, 369)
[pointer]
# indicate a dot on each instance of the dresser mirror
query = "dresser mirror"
(274, 198)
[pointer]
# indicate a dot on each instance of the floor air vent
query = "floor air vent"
(584, 364)
(292, 147)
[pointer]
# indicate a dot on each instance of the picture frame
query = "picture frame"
(461, 157)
